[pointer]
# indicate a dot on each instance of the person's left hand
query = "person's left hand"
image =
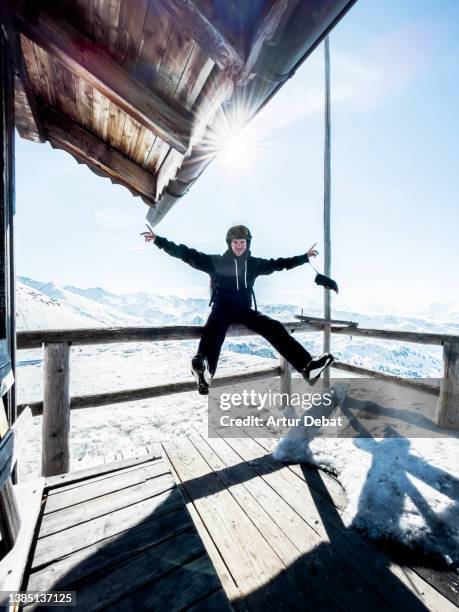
(312, 251)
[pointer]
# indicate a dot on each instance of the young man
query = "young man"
(232, 277)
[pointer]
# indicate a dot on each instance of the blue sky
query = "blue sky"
(395, 180)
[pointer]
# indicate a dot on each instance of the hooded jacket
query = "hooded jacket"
(232, 277)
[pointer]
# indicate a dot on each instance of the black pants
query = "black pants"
(273, 331)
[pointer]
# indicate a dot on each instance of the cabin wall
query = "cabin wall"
(7, 276)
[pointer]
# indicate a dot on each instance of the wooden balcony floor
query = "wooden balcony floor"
(277, 540)
(121, 536)
(123, 540)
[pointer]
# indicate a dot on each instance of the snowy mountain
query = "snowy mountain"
(42, 305)
(46, 305)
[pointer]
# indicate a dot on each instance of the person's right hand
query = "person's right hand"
(149, 236)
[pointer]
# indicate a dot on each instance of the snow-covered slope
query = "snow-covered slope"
(48, 306)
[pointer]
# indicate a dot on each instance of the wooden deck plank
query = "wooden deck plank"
(100, 487)
(332, 486)
(337, 584)
(78, 483)
(391, 582)
(212, 603)
(101, 555)
(83, 512)
(28, 497)
(127, 577)
(99, 470)
(53, 547)
(226, 578)
(184, 587)
(231, 529)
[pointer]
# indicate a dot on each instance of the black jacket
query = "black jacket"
(232, 278)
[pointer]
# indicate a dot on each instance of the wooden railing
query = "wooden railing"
(57, 403)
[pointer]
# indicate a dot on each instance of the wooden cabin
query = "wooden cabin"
(138, 91)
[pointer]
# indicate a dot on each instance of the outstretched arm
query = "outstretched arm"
(268, 266)
(196, 259)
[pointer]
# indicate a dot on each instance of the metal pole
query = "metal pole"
(327, 200)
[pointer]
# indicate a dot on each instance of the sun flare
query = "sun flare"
(238, 152)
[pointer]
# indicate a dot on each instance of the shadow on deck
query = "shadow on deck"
(121, 536)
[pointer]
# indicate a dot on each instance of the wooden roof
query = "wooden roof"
(134, 88)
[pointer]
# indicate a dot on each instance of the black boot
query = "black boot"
(200, 370)
(311, 373)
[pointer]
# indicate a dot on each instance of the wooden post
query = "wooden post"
(56, 410)
(448, 402)
(285, 379)
(327, 200)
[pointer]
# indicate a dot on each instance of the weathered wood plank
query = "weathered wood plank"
(100, 114)
(95, 489)
(448, 403)
(285, 378)
(292, 539)
(130, 137)
(329, 486)
(130, 30)
(168, 171)
(89, 62)
(156, 31)
(214, 553)
(433, 389)
(109, 551)
(132, 574)
(46, 87)
(251, 566)
(210, 37)
(157, 155)
(26, 111)
(105, 22)
(84, 103)
(55, 457)
(65, 134)
(103, 399)
(12, 566)
(212, 603)
(62, 488)
(10, 521)
(13, 442)
(174, 60)
(35, 339)
(61, 544)
(64, 86)
(116, 121)
(177, 591)
(197, 71)
(143, 147)
(84, 512)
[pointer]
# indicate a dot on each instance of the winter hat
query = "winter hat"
(238, 232)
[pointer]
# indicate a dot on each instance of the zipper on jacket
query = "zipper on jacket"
(245, 273)
(237, 278)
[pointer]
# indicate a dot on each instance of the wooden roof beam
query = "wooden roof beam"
(212, 39)
(91, 63)
(62, 132)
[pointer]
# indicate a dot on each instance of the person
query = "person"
(233, 275)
